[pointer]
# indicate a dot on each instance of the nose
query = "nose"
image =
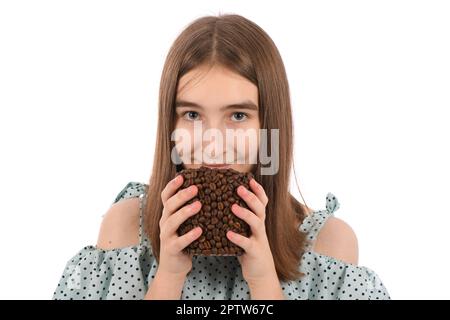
(214, 141)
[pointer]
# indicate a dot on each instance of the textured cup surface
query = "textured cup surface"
(217, 191)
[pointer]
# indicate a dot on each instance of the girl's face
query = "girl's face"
(217, 118)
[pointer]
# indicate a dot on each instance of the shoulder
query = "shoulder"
(338, 240)
(120, 225)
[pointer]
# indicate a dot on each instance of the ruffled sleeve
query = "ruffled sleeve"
(123, 273)
(328, 278)
(314, 222)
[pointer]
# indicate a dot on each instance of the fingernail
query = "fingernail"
(244, 190)
(194, 205)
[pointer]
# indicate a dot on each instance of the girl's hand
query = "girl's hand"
(257, 261)
(172, 260)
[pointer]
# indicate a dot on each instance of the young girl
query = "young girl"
(222, 73)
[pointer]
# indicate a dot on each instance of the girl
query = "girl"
(221, 73)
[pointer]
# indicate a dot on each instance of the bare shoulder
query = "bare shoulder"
(120, 225)
(338, 240)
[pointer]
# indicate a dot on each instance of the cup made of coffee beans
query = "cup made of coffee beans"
(217, 191)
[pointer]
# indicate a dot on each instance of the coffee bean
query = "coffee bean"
(217, 191)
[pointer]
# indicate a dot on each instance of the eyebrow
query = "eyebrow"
(242, 105)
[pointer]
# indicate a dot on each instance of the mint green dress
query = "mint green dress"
(126, 273)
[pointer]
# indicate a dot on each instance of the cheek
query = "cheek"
(179, 122)
(246, 145)
(183, 139)
(253, 126)
(253, 156)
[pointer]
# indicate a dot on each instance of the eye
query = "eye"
(191, 115)
(239, 116)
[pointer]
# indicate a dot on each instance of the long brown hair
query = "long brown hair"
(244, 48)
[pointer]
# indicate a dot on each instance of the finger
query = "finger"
(177, 200)
(170, 189)
(240, 240)
(186, 239)
(175, 220)
(255, 223)
(258, 190)
(252, 201)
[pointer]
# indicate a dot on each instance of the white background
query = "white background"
(370, 85)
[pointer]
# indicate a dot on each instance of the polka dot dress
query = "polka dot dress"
(126, 273)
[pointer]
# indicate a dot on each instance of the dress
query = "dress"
(125, 273)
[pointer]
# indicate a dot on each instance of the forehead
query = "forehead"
(215, 86)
